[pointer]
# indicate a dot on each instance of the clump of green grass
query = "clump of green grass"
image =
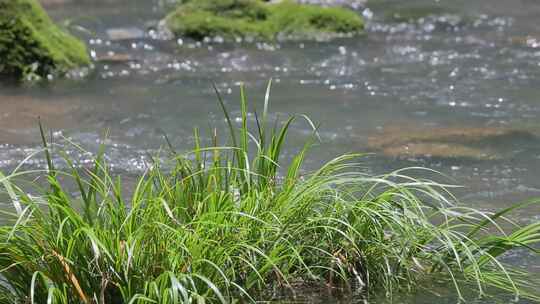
(225, 222)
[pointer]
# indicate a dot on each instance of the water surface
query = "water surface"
(457, 91)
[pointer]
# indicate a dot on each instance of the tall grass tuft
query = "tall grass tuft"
(230, 222)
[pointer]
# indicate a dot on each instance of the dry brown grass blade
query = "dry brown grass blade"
(72, 277)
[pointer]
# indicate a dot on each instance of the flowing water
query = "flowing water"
(450, 85)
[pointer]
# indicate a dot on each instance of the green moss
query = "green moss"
(240, 18)
(32, 45)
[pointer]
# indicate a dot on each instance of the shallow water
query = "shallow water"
(458, 91)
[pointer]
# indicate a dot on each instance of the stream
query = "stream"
(456, 90)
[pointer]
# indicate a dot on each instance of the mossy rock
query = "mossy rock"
(258, 19)
(32, 46)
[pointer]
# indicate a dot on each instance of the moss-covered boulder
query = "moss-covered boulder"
(260, 19)
(32, 46)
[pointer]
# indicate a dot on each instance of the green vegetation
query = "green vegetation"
(255, 18)
(231, 221)
(32, 46)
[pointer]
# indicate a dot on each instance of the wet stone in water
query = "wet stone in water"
(477, 143)
(128, 33)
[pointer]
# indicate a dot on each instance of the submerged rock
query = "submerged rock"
(19, 116)
(409, 14)
(259, 19)
(128, 33)
(64, 2)
(409, 11)
(468, 143)
(54, 2)
(115, 58)
(32, 46)
(529, 41)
